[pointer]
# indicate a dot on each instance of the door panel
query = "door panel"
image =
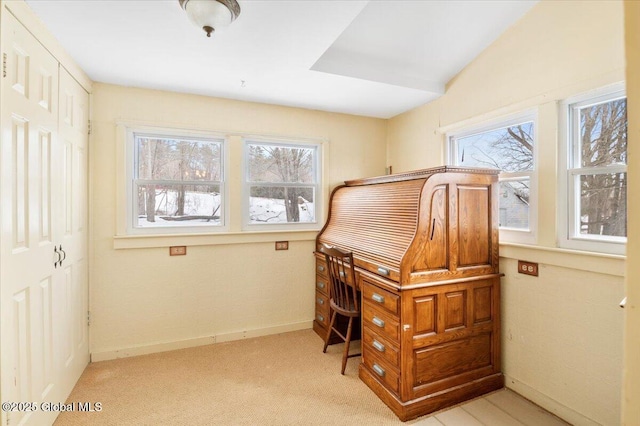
(19, 182)
(43, 185)
(46, 298)
(474, 236)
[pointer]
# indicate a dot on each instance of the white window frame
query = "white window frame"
(511, 235)
(568, 192)
(318, 194)
(131, 178)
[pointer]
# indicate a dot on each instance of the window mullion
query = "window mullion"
(504, 177)
(604, 170)
(283, 184)
(175, 182)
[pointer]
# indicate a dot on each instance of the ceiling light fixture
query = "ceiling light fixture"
(211, 14)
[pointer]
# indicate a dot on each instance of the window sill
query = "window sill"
(166, 240)
(601, 263)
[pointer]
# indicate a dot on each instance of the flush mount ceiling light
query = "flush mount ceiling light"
(211, 14)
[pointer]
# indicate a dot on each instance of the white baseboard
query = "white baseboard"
(567, 414)
(199, 341)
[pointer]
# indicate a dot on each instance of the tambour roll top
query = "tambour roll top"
(418, 227)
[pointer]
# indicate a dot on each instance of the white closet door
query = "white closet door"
(42, 343)
(72, 229)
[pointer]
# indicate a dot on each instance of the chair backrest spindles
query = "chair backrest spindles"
(342, 278)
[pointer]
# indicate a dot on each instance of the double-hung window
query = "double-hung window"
(176, 182)
(510, 146)
(593, 169)
(282, 185)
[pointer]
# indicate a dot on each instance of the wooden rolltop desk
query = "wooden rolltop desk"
(425, 246)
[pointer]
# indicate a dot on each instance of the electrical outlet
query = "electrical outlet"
(529, 268)
(282, 245)
(177, 250)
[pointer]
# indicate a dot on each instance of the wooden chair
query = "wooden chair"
(343, 295)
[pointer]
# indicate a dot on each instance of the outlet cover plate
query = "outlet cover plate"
(282, 245)
(177, 250)
(529, 268)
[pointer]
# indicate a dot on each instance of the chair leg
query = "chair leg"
(345, 355)
(326, 339)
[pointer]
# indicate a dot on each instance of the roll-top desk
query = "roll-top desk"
(425, 247)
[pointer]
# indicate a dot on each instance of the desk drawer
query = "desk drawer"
(321, 267)
(382, 323)
(382, 371)
(379, 297)
(322, 302)
(378, 345)
(323, 317)
(322, 285)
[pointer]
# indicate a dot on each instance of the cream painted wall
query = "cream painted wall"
(562, 340)
(631, 393)
(227, 286)
(562, 331)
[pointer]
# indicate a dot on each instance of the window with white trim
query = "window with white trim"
(594, 172)
(282, 185)
(175, 182)
(510, 146)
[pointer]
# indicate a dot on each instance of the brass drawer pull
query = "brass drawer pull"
(320, 301)
(321, 268)
(320, 284)
(379, 346)
(377, 321)
(379, 370)
(383, 271)
(377, 298)
(320, 318)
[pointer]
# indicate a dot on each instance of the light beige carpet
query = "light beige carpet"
(283, 379)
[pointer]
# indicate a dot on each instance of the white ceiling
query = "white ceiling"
(375, 58)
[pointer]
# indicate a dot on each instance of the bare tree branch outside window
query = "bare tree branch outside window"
(511, 150)
(603, 143)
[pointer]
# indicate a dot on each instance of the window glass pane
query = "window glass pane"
(603, 134)
(509, 149)
(178, 159)
(603, 204)
(178, 205)
(277, 204)
(514, 204)
(280, 164)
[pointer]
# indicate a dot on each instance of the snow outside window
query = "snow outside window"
(177, 182)
(510, 146)
(594, 172)
(282, 185)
